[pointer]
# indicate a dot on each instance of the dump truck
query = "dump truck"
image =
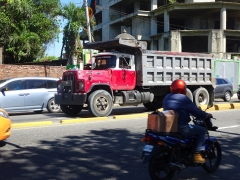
(124, 72)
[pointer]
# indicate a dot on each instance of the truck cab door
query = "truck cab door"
(125, 74)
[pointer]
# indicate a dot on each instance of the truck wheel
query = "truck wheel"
(100, 103)
(71, 110)
(201, 96)
(148, 105)
(189, 94)
(52, 107)
(155, 104)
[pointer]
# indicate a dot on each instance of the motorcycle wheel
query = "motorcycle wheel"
(214, 157)
(159, 165)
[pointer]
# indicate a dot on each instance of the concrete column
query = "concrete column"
(223, 18)
(153, 4)
(217, 41)
(166, 21)
(175, 42)
(153, 26)
(223, 42)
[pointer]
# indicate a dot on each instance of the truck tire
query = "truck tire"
(148, 106)
(189, 94)
(100, 103)
(155, 104)
(201, 97)
(71, 110)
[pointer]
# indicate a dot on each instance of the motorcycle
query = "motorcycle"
(167, 153)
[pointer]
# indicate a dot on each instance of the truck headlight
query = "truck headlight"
(81, 85)
(59, 86)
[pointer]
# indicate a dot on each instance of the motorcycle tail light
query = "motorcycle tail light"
(160, 143)
(147, 138)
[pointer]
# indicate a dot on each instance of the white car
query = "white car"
(28, 94)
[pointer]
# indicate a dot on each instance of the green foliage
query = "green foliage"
(26, 27)
(172, 1)
(47, 58)
(77, 22)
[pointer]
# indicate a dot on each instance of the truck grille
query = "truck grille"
(69, 88)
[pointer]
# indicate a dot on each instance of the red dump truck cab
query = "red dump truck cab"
(113, 71)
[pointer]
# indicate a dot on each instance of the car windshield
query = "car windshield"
(105, 61)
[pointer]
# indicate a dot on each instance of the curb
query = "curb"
(31, 124)
(130, 116)
(69, 121)
(216, 107)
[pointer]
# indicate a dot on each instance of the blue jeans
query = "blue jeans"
(194, 130)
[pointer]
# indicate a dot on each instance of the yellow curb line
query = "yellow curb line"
(28, 124)
(131, 115)
(218, 107)
(68, 121)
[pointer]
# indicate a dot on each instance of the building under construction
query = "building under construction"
(205, 26)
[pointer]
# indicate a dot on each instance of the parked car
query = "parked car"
(238, 92)
(5, 125)
(224, 89)
(28, 94)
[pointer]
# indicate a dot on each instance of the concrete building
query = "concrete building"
(206, 26)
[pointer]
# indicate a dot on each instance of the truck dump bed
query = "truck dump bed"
(162, 67)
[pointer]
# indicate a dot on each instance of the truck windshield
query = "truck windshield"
(105, 61)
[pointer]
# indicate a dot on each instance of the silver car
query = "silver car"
(28, 94)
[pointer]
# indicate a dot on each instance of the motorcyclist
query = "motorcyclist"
(178, 101)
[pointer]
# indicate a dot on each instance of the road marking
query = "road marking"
(229, 127)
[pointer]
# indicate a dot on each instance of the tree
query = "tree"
(26, 27)
(76, 17)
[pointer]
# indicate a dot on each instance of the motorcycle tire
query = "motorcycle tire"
(159, 165)
(214, 157)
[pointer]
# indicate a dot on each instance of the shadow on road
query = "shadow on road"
(101, 155)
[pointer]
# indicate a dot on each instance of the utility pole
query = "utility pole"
(88, 28)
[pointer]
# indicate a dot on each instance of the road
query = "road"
(103, 150)
(57, 117)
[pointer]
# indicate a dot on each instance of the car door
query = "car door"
(220, 86)
(35, 98)
(12, 96)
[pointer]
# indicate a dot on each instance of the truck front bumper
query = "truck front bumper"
(70, 98)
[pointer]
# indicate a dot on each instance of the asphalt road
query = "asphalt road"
(104, 150)
(118, 110)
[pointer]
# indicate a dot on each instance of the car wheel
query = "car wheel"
(52, 107)
(227, 96)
